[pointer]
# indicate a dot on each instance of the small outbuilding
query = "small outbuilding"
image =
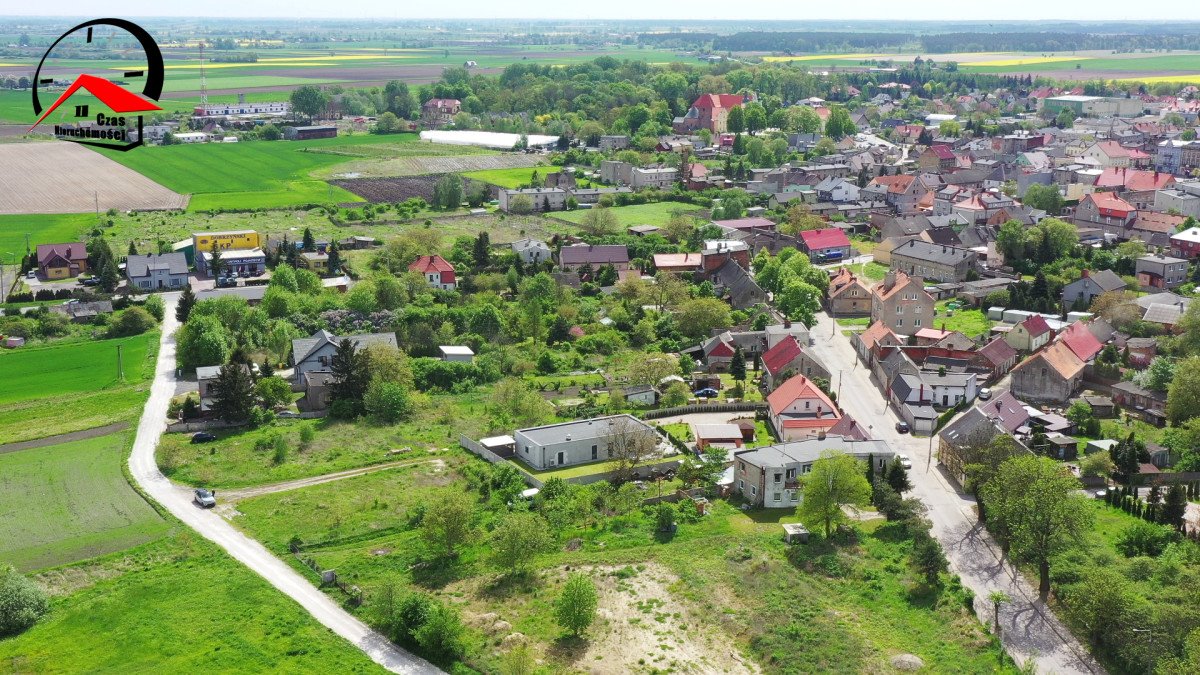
(795, 533)
(457, 353)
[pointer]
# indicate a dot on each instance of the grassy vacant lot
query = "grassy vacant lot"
(657, 213)
(969, 322)
(233, 461)
(175, 605)
(40, 381)
(508, 178)
(68, 502)
(729, 580)
(42, 228)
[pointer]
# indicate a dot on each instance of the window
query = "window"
(806, 468)
(527, 449)
(791, 474)
(778, 497)
(753, 491)
(917, 323)
(594, 451)
(741, 466)
(899, 323)
(778, 477)
(899, 309)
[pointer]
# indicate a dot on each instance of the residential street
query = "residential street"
(1029, 629)
(249, 552)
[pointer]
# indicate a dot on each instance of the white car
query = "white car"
(905, 461)
(985, 394)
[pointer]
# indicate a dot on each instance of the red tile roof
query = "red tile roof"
(1109, 204)
(900, 282)
(72, 251)
(678, 261)
(829, 237)
(997, 351)
(895, 184)
(428, 264)
(781, 355)
(942, 151)
(1058, 357)
(747, 223)
(800, 387)
(1080, 341)
(713, 101)
(1036, 325)
(1133, 179)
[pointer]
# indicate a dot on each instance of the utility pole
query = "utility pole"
(1150, 651)
(120, 366)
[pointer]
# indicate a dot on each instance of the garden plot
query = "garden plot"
(63, 177)
(416, 166)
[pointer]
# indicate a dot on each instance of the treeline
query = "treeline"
(809, 41)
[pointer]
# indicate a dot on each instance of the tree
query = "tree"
(481, 249)
(897, 477)
(839, 124)
(1174, 507)
(1011, 241)
(187, 300)
(737, 365)
(447, 524)
(1183, 395)
(386, 123)
(309, 242)
(274, 391)
(1097, 464)
(109, 279)
(387, 402)
(1044, 197)
(309, 101)
(676, 394)
(928, 557)
(629, 443)
(513, 403)
(699, 316)
(334, 264)
(441, 634)
(836, 480)
(448, 192)
(233, 393)
(22, 602)
(599, 221)
(735, 121)
(997, 598)
(350, 375)
(575, 608)
(202, 341)
(950, 128)
(1037, 507)
(399, 100)
(517, 540)
(1065, 119)
(131, 321)
(520, 205)
(755, 118)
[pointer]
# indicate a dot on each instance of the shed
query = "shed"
(501, 445)
(456, 353)
(1099, 445)
(1063, 446)
(12, 342)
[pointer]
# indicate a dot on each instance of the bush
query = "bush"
(664, 517)
(133, 321)
(156, 307)
(441, 635)
(387, 402)
(307, 434)
(22, 602)
(575, 608)
(1144, 539)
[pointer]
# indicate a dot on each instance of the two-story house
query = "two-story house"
(1030, 335)
(773, 476)
(1080, 293)
(798, 408)
(1186, 244)
(1157, 271)
(934, 261)
(901, 303)
(1052, 375)
(438, 112)
(848, 295)
(438, 272)
(157, 271)
(787, 358)
(315, 353)
(1106, 212)
(571, 258)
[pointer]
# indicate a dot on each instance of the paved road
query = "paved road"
(1029, 629)
(246, 550)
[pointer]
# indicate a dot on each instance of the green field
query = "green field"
(175, 605)
(68, 502)
(969, 322)
(40, 381)
(42, 228)
(508, 178)
(657, 213)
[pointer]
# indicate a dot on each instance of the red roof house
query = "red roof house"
(1119, 179)
(826, 243)
(709, 111)
(59, 261)
(788, 358)
(438, 272)
(1080, 341)
(799, 409)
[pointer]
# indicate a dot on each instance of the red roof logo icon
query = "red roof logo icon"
(111, 95)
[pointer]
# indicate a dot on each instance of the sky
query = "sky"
(1186, 10)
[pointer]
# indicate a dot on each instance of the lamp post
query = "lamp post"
(1150, 647)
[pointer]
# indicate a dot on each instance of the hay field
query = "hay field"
(64, 177)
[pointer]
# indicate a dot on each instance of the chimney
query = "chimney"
(1085, 273)
(820, 435)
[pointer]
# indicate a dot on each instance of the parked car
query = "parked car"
(91, 281)
(905, 461)
(902, 427)
(226, 282)
(985, 394)
(31, 274)
(707, 392)
(203, 437)
(205, 499)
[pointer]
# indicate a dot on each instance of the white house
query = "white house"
(457, 353)
(531, 251)
(581, 441)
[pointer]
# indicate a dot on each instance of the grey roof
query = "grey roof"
(304, 347)
(810, 450)
(600, 254)
(1107, 280)
(934, 253)
(639, 389)
(597, 427)
(207, 372)
(141, 265)
(1164, 298)
(972, 427)
(249, 293)
(1167, 314)
(743, 291)
(921, 411)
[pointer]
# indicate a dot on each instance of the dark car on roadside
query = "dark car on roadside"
(91, 281)
(205, 499)
(203, 437)
(902, 427)
(707, 392)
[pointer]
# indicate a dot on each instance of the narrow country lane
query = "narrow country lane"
(1028, 628)
(249, 552)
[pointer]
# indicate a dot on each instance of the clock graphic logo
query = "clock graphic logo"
(116, 120)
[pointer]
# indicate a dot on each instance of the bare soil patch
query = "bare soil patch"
(63, 177)
(422, 165)
(376, 190)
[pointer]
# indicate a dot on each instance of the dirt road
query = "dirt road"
(246, 550)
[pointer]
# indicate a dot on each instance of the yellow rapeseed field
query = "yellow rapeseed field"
(1191, 78)
(821, 57)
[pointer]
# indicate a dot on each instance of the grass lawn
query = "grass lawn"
(509, 178)
(69, 502)
(657, 213)
(232, 460)
(176, 605)
(85, 374)
(859, 321)
(969, 322)
(42, 228)
(584, 469)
